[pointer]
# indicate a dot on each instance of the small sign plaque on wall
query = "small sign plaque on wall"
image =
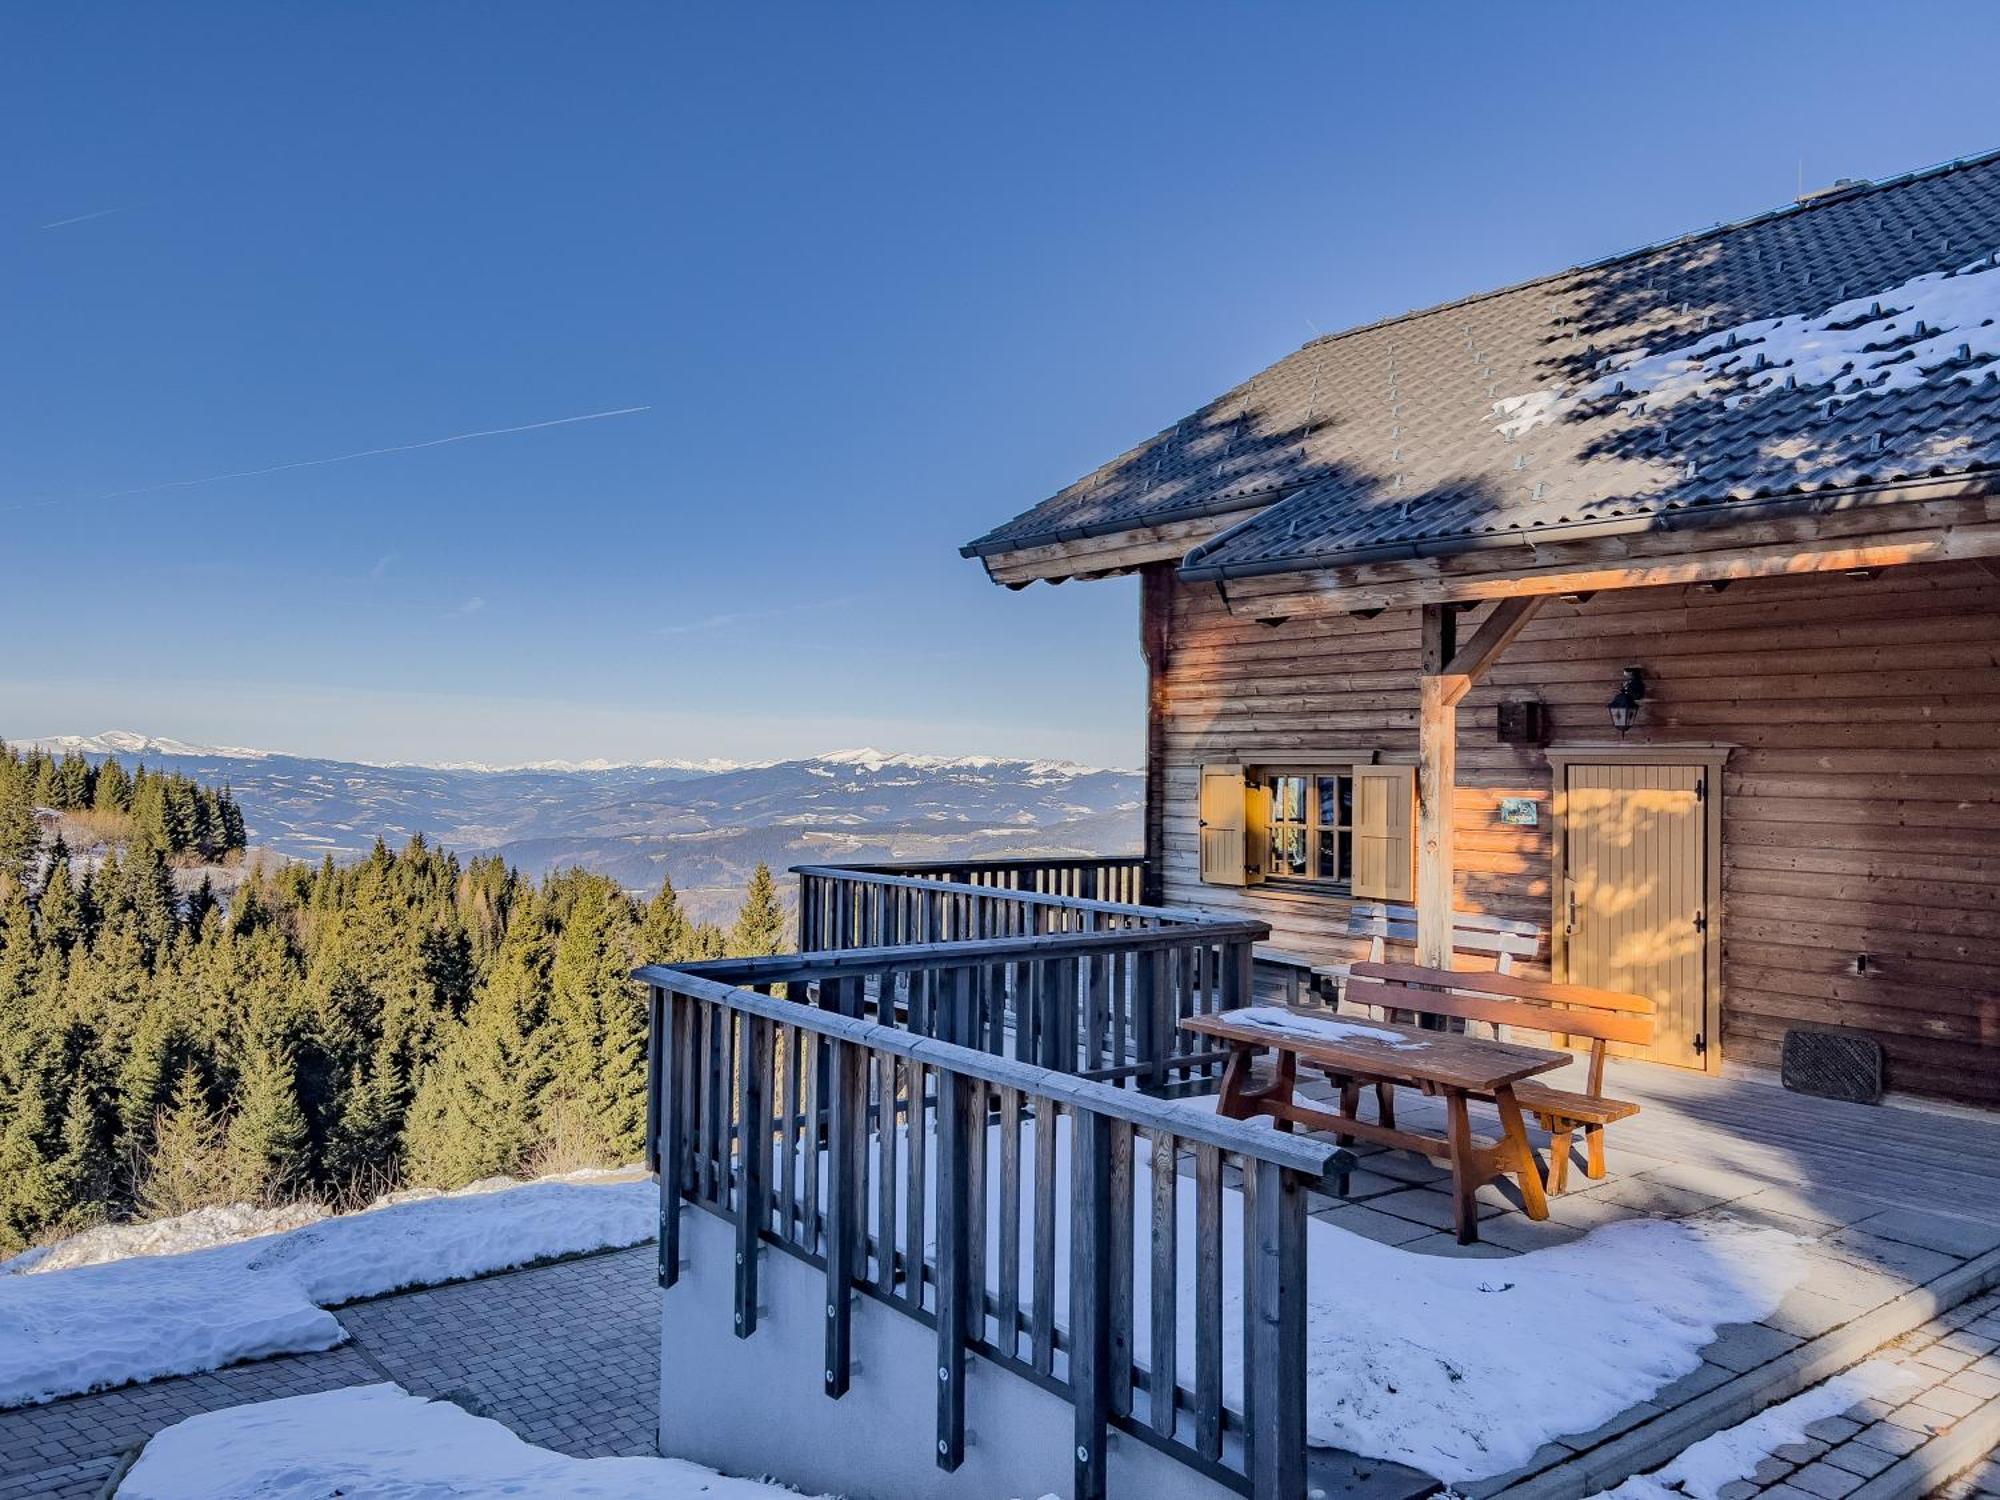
(1519, 811)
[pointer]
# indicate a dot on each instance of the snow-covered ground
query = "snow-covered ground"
(1701, 1471)
(105, 1324)
(200, 1229)
(1459, 1367)
(380, 1441)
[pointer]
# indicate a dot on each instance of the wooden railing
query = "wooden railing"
(894, 1162)
(1086, 877)
(1097, 988)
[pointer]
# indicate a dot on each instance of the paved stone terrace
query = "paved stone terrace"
(1884, 1446)
(567, 1355)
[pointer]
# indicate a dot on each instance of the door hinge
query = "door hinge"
(1701, 789)
(1701, 921)
(1701, 1044)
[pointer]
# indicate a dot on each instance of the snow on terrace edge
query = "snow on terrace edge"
(1943, 325)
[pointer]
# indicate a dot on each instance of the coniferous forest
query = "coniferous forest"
(325, 1032)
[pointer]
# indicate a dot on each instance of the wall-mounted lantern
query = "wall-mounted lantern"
(1625, 704)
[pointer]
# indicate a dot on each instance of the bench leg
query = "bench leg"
(1527, 1170)
(1385, 1104)
(1559, 1148)
(1350, 1105)
(1593, 1137)
(1464, 1213)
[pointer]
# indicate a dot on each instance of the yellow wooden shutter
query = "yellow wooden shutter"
(1385, 799)
(1225, 814)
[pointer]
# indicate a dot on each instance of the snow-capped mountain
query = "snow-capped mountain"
(706, 822)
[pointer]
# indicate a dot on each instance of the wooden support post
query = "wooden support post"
(1156, 581)
(954, 1247)
(1274, 1384)
(1090, 1299)
(1437, 780)
(1450, 671)
(753, 1164)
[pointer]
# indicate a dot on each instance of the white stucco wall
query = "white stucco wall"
(754, 1406)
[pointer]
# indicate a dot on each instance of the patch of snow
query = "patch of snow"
(382, 1441)
(201, 1229)
(1703, 1469)
(1943, 325)
(1276, 1018)
(108, 1324)
(1460, 1368)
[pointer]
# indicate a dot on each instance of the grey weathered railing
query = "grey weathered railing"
(1085, 877)
(897, 1163)
(856, 906)
(1102, 1004)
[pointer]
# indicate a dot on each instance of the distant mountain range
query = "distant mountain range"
(707, 823)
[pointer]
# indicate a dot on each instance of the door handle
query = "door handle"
(1569, 922)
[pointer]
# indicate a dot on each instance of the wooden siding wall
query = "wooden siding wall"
(1861, 811)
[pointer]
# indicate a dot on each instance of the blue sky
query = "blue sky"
(880, 277)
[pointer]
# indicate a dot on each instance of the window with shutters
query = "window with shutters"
(1311, 824)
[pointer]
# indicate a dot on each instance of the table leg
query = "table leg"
(1232, 1103)
(1285, 1086)
(1463, 1181)
(1527, 1170)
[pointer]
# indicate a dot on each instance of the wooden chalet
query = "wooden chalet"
(1649, 612)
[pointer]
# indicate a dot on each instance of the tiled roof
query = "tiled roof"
(1508, 412)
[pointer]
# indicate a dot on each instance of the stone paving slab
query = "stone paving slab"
(566, 1354)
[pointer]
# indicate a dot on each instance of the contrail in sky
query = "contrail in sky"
(82, 218)
(341, 458)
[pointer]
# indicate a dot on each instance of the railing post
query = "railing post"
(1090, 1297)
(1274, 1306)
(954, 1246)
(753, 1164)
(845, 1083)
(672, 1068)
(1153, 1028)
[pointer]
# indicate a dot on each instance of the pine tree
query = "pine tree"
(70, 787)
(268, 1139)
(113, 792)
(599, 1018)
(665, 934)
(61, 913)
(20, 834)
(188, 1166)
(760, 925)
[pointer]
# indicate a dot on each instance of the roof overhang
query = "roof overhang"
(1098, 552)
(1888, 526)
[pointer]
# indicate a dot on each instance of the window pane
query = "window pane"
(1288, 851)
(1328, 855)
(1329, 801)
(1292, 798)
(1346, 855)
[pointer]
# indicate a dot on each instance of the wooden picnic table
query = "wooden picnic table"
(1386, 1053)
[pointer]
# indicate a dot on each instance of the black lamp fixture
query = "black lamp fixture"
(1625, 703)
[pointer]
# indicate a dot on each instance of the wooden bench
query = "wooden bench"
(1490, 939)
(1522, 1004)
(1288, 978)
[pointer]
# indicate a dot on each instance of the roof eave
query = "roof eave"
(1718, 515)
(992, 546)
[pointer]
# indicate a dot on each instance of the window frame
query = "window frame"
(1266, 779)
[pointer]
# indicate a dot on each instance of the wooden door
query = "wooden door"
(1636, 879)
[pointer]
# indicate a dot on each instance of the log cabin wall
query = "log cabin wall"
(1861, 811)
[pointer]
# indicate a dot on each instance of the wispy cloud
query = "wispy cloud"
(471, 606)
(341, 458)
(382, 565)
(98, 213)
(731, 618)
